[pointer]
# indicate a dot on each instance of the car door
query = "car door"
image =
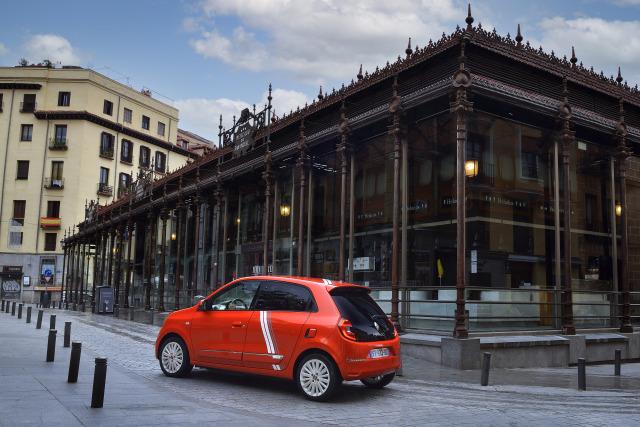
(219, 327)
(280, 311)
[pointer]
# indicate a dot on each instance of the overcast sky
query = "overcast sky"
(216, 56)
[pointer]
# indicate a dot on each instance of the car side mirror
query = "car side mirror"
(203, 306)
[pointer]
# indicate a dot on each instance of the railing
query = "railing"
(54, 183)
(28, 107)
(496, 309)
(107, 154)
(58, 143)
(105, 189)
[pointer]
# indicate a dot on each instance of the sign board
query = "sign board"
(47, 272)
(243, 138)
(364, 264)
(10, 288)
(26, 281)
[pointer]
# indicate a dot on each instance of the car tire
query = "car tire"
(174, 358)
(317, 377)
(379, 381)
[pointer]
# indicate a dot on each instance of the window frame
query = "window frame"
(163, 156)
(312, 306)
(111, 138)
(63, 131)
(147, 150)
(53, 208)
(207, 304)
(22, 129)
(145, 120)
(64, 98)
(26, 176)
(107, 107)
(102, 168)
(20, 221)
(164, 128)
(129, 144)
(47, 237)
(127, 112)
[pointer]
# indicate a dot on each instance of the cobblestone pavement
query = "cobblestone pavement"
(425, 395)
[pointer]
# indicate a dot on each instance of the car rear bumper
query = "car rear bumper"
(357, 363)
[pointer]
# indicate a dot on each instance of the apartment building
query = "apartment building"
(69, 135)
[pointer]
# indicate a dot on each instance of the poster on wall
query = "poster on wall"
(10, 288)
(47, 269)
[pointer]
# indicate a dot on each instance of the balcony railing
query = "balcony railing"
(106, 153)
(54, 183)
(58, 143)
(28, 107)
(105, 189)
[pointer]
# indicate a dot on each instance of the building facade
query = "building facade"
(475, 184)
(69, 135)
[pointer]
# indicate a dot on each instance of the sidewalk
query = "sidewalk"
(34, 392)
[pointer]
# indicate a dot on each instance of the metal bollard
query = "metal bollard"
(486, 366)
(2, 305)
(8, 307)
(13, 308)
(582, 374)
(20, 311)
(39, 320)
(74, 362)
(29, 314)
(51, 345)
(60, 304)
(99, 380)
(52, 321)
(67, 333)
(618, 362)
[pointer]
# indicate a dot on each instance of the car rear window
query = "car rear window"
(369, 323)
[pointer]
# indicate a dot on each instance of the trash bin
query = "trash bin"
(104, 300)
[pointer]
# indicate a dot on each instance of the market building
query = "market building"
(477, 184)
(69, 135)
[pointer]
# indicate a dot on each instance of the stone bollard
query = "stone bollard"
(67, 333)
(29, 314)
(99, 381)
(74, 362)
(20, 311)
(39, 319)
(52, 321)
(51, 345)
(618, 362)
(582, 374)
(486, 366)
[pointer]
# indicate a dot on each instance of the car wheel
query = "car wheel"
(379, 381)
(317, 377)
(174, 358)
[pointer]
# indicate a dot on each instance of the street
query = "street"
(33, 392)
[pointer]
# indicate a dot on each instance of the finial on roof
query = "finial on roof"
(408, 50)
(359, 76)
(573, 57)
(519, 36)
(469, 19)
(320, 95)
(619, 78)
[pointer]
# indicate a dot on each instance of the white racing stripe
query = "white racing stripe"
(265, 323)
(327, 282)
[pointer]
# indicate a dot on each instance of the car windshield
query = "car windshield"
(369, 323)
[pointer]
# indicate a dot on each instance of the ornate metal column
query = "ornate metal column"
(460, 107)
(179, 231)
(196, 245)
(163, 253)
(103, 257)
(301, 164)
(215, 255)
(64, 266)
(95, 271)
(622, 155)
(147, 261)
(395, 107)
(267, 176)
(112, 245)
(343, 158)
(80, 287)
(127, 284)
(567, 136)
(118, 273)
(72, 275)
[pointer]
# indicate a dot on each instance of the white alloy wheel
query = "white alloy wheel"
(315, 377)
(172, 357)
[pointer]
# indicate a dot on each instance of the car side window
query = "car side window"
(238, 297)
(283, 296)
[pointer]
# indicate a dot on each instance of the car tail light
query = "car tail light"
(345, 327)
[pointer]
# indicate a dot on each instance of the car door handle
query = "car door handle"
(237, 325)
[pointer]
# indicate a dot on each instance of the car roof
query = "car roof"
(327, 284)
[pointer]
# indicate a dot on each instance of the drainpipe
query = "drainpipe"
(6, 152)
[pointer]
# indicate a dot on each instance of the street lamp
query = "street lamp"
(173, 236)
(471, 168)
(618, 209)
(285, 210)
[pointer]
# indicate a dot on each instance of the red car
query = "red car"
(314, 331)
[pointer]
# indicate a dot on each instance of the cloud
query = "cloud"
(53, 47)
(318, 40)
(3, 49)
(605, 45)
(201, 115)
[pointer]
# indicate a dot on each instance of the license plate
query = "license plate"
(378, 352)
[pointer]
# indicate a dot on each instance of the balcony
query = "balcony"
(53, 183)
(28, 107)
(50, 223)
(105, 190)
(106, 153)
(58, 143)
